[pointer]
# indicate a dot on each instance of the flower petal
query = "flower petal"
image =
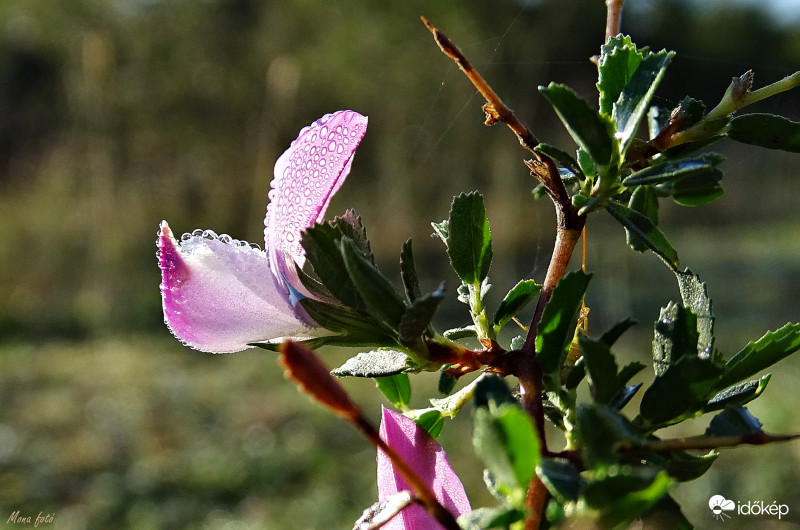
(306, 177)
(427, 458)
(219, 294)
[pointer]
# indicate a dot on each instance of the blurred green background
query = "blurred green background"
(115, 114)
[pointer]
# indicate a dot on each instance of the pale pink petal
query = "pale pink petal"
(219, 294)
(428, 459)
(306, 177)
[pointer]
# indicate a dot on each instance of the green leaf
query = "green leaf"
(645, 201)
(561, 477)
(738, 394)
(461, 333)
(647, 232)
(680, 390)
(517, 298)
(694, 294)
(492, 391)
(635, 98)
(666, 513)
(417, 317)
(675, 336)
(356, 328)
(380, 298)
(321, 243)
(602, 369)
(432, 421)
(590, 130)
(375, 363)
(557, 326)
(494, 517)
(616, 483)
(560, 157)
(469, 241)
(616, 331)
(619, 59)
(766, 130)
(657, 118)
(446, 382)
(733, 421)
(758, 355)
(683, 466)
(630, 506)
(442, 230)
(349, 225)
(396, 388)
(408, 272)
(601, 430)
(674, 170)
(506, 441)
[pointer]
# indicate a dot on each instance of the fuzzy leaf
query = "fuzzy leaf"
(694, 294)
(681, 389)
(675, 336)
(738, 394)
(376, 363)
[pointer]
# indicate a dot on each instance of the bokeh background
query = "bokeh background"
(115, 114)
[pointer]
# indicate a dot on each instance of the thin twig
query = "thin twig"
(495, 109)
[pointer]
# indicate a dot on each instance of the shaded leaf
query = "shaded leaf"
(562, 479)
(766, 130)
(624, 395)
(647, 232)
(492, 390)
(601, 429)
(645, 201)
(408, 272)
(350, 225)
(681, 389)
(734, 420)
(560, 157)
(675, 336)
(602, 369)
(417, 317)
(616, 331)
(321, 244)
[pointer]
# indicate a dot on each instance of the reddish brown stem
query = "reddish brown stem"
(613, 17)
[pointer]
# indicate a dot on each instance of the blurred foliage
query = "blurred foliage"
(115, 114)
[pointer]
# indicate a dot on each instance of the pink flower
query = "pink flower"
(427, 458)
(220, 294)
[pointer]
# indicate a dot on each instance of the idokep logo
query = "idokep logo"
(723, 508)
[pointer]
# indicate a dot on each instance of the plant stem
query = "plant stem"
(712, 442)
(613, 17)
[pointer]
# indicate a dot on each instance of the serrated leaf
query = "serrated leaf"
(694, 294)
(619, 59)
(441, 230)
(561, 477)
(733, 421)
(517, 298)
(766, 130)
(758, 355)
(396, 388)
(738, 394)
(644, 228)
(635, 98)
(380, 298)
(645, 201)
(350, 225)
(408, 272)
(557, 326)
(615, 332)
(417, 317)
(675, 336)
(356, 328)
(375, 363)
(321, 244)
(681, 389)
(469, 240)
(590, 130)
